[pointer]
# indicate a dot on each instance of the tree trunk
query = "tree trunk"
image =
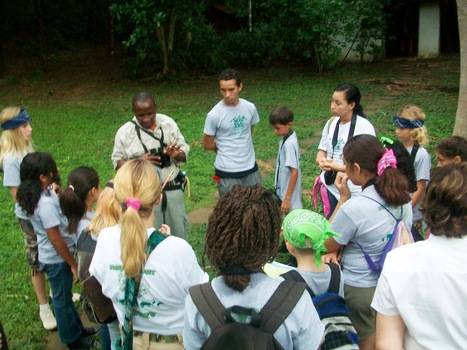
(165, 57)
(460, 127)
(173, 21)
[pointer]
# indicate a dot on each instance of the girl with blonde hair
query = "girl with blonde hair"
(15, 143)
(412, 132)
(164, 275)
(107, 214)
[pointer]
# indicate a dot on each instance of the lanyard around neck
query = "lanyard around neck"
(336, 132)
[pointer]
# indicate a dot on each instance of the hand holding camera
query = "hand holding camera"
(158, 157)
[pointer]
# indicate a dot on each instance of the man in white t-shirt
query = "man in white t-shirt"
(228, 131)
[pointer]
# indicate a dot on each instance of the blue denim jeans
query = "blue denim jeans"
(105, 337)
(69, 324)
(332, 203)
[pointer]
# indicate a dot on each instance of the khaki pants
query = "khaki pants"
(144, 342)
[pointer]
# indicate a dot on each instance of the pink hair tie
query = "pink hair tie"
(387, 160)
(133, 203)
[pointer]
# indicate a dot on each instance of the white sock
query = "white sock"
(44, 307)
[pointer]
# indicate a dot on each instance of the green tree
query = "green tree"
(146, 21)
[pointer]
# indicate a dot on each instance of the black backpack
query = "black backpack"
(258, 334)
(339, 333)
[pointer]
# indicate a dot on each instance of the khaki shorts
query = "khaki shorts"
(148, 341)
(362, 315)
(30, 243)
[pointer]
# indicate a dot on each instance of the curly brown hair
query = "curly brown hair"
(445, 205)
(243, 233)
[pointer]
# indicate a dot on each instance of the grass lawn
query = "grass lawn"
(80, 100)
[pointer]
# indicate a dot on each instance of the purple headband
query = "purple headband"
(387, 160)
(133, 203)
(407, 123)
(18, 120)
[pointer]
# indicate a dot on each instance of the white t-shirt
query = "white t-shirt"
(302, 329)
(170, 271)
(48, 215)
(289, 157)
(426, 284)
(231, 126)
(422, 166)
(362, 126)
(362, 220)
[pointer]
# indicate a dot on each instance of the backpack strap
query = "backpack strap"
(208, 304)
(294, 275)
(280, 305)
(335, 282)
(285, 138)
(374, 200)
(413, 153)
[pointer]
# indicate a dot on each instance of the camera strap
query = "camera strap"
(336, 132)
(138, 132)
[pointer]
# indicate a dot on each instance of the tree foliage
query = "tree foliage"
(170, 36)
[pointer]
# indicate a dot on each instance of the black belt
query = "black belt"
(173, 185)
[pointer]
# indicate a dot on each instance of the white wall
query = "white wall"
(429, 30)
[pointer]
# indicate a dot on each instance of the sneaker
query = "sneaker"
(87, 332)
(48, 319)
(84, 343)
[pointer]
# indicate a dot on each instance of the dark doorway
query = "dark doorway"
(402, 31)
(449, 27)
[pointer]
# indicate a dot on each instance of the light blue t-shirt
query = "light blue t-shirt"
(422, 166)
(289, 157)
(47, 215)
(301, 330)
(11, 178)
(318, 281)
(231, 126)
(364, 221)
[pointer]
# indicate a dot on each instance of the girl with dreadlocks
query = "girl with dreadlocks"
(242, 235)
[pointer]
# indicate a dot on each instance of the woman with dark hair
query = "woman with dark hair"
(347, 120)
(363, 221)
(429, 316)
(242, 235)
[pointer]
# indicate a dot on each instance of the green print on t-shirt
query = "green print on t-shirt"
(239, 122)
(238, 127)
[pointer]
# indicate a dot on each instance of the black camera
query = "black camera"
(165, 159)
(330, 177)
